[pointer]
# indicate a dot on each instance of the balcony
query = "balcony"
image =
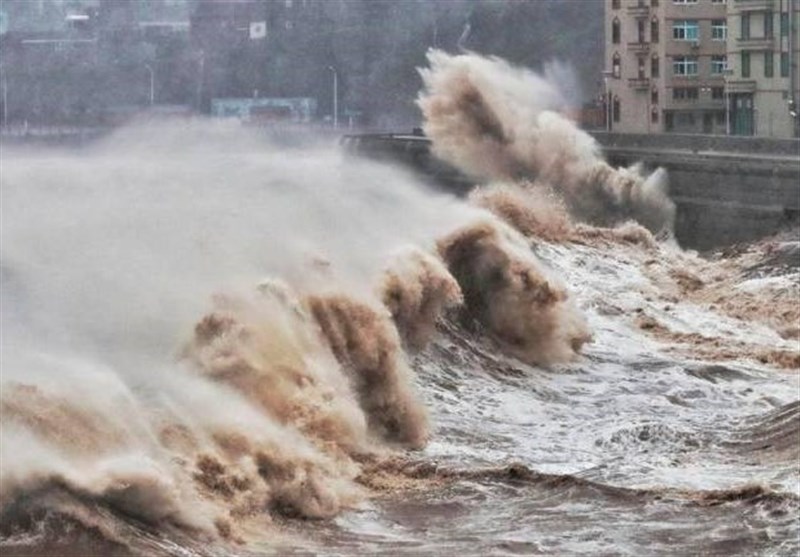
(756, 43)
(695, 104)
(639, 47)
(754, 5)
(639, 83)
(639, 10)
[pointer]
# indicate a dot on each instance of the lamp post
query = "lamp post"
(335, 97)
(607, 98)
(152, 83)
(5, 100)
(728, 72)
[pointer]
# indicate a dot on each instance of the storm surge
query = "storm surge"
(212, 344)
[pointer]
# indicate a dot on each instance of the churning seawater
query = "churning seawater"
(212, 345)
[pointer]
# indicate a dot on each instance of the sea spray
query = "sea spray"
(501, 123)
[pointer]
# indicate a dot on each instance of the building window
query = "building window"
(717, 1)
(654, 30)
(745, 30)
(655, 67)
(784, 24)
(769, 63)
(719, 30)
(768, 18)
(684, 93)
(616, 66)
(641, 67)
(784, 64)
(617, 109)
(654, 96)
(654, 115)
(684, 1)
(745, 63)
(654, 3)
(719, 63)
(685, 30)
(640, 23)
(684, 65)
(614, 4)
(615, 31)
(717, 93)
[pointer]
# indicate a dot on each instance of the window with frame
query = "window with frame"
(654, 3)
(685, 29)
(616, 66)
(784, 24)
(684, 93)
(614, 4)
(744, 21)
(684, 65)
(768, 22)
(641, 67)
(719, 30)
(784, 64)
(654, 96)
(654, 30)
(719, 63)
(684, 1)
(655, 66)
(745, 56)
(617, 109)
(654, 115)
(615, 31)
(640, 27)
(717, 93)
(718, 1)
(769, 63)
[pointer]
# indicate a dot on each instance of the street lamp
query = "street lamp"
(152, 83)
(335, 97)
(607, 98)
(5, 100)
(727, 73)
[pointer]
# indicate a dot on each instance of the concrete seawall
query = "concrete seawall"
(727, 189)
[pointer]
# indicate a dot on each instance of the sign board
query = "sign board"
(298, 110)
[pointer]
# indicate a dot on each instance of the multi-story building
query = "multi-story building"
(764, 82)
(673, 66)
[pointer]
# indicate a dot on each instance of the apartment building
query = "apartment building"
(702, 66)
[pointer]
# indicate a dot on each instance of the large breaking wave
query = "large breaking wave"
(206, 335)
